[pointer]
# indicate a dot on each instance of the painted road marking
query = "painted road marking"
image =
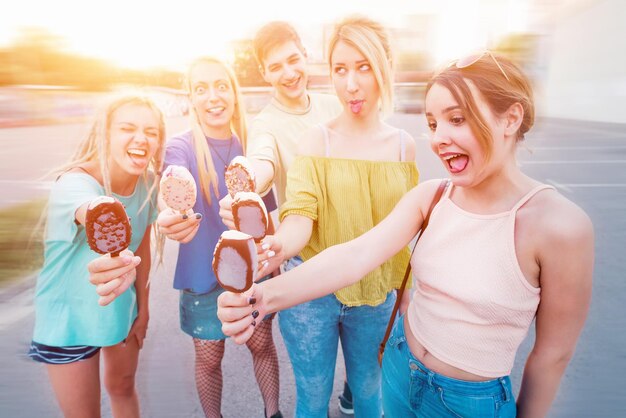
(32, 183)
(528, 162)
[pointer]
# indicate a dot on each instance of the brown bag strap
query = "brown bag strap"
(442, 187)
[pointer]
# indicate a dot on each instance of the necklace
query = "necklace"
(227, 161)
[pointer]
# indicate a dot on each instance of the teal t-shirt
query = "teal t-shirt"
(66, 304)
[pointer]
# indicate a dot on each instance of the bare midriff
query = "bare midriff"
(433, 363)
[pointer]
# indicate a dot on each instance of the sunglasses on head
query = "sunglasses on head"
(474, 58)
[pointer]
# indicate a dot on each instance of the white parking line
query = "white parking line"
(559, 185)
(30, 183)
(578, 148)
(569, 186)
(529, 162)
(593, 185)
(579, 129)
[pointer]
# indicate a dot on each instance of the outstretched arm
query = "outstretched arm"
(335, 268)
(343, 265)
(264, 173)
(566, 261)
(294, 232)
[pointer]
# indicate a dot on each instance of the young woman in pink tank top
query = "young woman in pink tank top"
(499, 243)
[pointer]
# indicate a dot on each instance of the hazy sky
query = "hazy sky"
(144, 33)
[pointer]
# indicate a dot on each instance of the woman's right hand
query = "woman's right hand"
(270, 255)
(113, 275)
(178, 227)
(240, 312)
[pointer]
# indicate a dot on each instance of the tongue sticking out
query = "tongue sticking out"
(356, 106)
(457, 164)
(136, 159)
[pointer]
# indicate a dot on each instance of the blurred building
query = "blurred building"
(584, 76)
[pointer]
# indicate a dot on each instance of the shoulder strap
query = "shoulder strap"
(442, 187)
(326, 139)
(529, 195)
(402, 145)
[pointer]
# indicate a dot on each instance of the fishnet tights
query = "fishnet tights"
(265, 361)
(209, 354)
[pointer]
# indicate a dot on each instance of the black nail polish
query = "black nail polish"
(185, 216)
(255, 314)
(252, 300)
(254, 323)
(198, 216)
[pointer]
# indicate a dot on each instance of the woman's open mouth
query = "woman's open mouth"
(456, 162)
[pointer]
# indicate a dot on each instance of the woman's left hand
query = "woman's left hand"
(139, 328)
(240, 312)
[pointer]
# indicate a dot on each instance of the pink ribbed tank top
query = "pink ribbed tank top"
(472, 305)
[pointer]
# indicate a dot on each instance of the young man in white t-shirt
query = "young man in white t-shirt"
(275, 131)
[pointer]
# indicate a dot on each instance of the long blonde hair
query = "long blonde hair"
(97, 146)
(206, 168)
(370, 39)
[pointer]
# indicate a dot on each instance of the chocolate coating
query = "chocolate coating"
(238, 178)
(250, 215)
(235, 261)
(108, 228)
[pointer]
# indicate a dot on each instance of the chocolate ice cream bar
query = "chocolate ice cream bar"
(239, 176)
(107, 226)
(250, 214)
(178, 188)
(235, 261)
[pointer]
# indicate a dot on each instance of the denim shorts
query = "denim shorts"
(410, 389)
(61, 355)
(198, 314)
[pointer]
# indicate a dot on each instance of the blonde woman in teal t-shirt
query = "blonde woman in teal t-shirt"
(73, 323)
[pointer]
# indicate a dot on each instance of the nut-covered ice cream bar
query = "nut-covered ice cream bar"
(178, 188)
(107, 226)
(239, 176)
(250, 214)
(235, 261)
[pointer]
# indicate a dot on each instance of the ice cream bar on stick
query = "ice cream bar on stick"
(239, 176)
(235, 261)
(107, 226)
(250, 215)
(178, 188)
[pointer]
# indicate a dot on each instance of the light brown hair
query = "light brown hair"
(272, 35)
(498, 92)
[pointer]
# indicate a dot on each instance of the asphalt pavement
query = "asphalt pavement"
(585, 161)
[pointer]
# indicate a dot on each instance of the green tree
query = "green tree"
(245, 65)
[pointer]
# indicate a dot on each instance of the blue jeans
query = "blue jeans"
(410, 389)
(311, 332)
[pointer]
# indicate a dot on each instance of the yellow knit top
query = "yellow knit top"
(346, 198)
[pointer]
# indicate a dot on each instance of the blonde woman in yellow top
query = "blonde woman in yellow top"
(350, 173)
